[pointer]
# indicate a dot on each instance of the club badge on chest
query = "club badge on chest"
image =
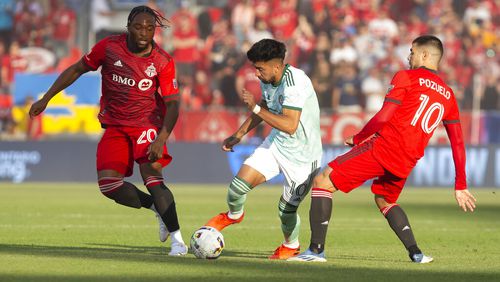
(151, 70)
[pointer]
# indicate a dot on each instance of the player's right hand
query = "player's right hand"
(38, 107)
(229, 142)
(248, 99)
(465, 200)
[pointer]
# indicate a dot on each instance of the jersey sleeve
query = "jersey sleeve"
(376, 122)
(454, 131)
(168, 84)
(95, 57)
(453, 115)
(293, 98)
(399, 86)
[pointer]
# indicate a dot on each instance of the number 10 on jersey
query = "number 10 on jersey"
(428, 114)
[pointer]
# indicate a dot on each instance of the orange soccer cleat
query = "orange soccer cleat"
(221, 221)
(283, 252)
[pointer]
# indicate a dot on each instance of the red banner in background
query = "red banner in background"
(216, 125)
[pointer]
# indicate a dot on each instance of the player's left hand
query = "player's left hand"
(155, 150)
(229, 143)
(248, 98)
(465, 200)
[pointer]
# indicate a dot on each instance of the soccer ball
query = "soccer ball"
(207, 243)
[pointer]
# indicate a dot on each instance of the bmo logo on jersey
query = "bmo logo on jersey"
(123, 80)
(143, 85)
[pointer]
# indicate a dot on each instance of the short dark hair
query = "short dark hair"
(266, 50)
(430, 40)
(159, 19)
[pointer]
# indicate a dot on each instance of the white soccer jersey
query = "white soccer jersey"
(295, 91)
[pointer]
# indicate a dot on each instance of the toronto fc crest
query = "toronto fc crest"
(151, 70)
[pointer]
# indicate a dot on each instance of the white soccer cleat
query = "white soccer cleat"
(309, 256)
(163, 231)
(421, 258)
(178, 249)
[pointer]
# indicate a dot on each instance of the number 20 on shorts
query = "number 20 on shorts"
(147, 136)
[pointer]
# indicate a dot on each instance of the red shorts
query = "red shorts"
(357, 166)
(120, 146)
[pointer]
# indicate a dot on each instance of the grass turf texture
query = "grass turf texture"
(69, 232)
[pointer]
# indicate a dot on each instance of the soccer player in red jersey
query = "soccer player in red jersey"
(139, 108)
(389, 146)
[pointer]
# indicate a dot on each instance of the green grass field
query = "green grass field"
(69, 232)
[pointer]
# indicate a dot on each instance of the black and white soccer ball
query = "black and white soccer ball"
(207, 243)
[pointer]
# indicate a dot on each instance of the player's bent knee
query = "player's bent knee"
(324, 182)
(148, 169)
(381, 202)
(108, 185)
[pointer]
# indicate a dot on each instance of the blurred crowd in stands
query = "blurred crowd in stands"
(349, 48)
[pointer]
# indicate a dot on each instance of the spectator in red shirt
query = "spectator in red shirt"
(11, 63)
(62, 25)
(185, 43)
(5, 111)
(22, 24)
(202, 90)
(284, 20)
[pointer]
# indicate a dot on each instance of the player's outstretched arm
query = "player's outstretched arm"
(454, 132)
(65, 79)
(465, 200)
(374, 124)
(250, 123)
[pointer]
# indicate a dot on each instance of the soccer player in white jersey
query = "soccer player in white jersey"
(293, 147)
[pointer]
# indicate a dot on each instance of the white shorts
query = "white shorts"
(298, 178)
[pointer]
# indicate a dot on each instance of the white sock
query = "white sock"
(176, 237)
(292, 245)
(234, 216)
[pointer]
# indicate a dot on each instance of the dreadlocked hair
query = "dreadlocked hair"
(160, 20)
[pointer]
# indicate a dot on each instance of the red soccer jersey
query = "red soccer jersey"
(131, 84)
(424, 101)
